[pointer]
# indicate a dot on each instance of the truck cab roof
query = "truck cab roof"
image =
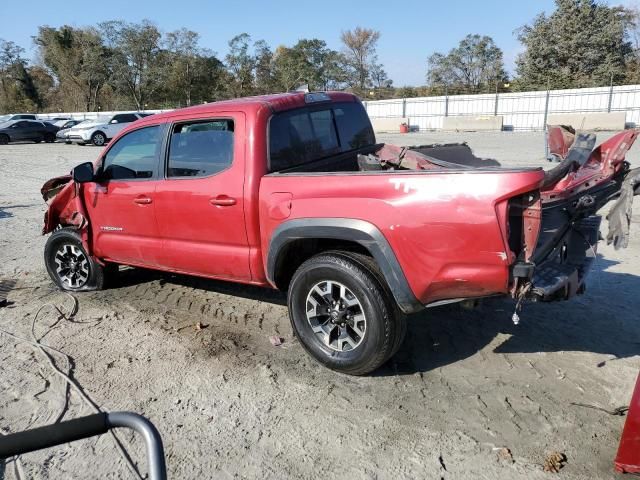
(276, 102)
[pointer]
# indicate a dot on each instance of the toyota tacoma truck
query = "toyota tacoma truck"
(292, 191)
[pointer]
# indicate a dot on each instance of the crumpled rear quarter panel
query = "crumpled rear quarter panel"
(442, 226)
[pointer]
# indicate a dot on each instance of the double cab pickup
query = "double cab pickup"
(292, 191)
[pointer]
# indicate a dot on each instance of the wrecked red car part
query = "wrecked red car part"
(572, 193)
(543, 222)
(559, 140)
(628, 456)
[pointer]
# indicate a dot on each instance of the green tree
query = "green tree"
(184, 52)
(289, 70)
(137, 61)
(77, 57)
(263, 58)
(194, 75)
(319, 65)
(310, 62)
(581, 44)
(474, 65)
(18, 90)
(240, 64)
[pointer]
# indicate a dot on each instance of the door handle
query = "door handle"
(142, 200)
(222, 201)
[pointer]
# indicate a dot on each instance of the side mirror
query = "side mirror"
(113, 121)
(83, 173)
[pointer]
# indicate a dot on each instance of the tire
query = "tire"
(4, 139)
(69, 265)
(37, 140)
(98, 139)
(371, 265)
(49, 137)
(357, 339)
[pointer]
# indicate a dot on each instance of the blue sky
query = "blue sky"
(411, 31)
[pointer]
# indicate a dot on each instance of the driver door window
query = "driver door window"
(134, 156)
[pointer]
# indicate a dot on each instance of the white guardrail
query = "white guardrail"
(519, 111)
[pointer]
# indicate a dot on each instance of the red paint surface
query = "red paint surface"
(448, 229)
(628, 457)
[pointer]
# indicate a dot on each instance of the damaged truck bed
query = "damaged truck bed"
(293, 192)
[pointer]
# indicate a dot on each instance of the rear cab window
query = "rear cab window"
(312, 133)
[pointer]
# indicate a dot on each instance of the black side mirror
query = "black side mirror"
(83, 173)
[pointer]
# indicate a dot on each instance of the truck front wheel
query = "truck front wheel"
(69, 265)
(343, 314)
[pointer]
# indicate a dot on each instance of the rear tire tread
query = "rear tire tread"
(358, 266)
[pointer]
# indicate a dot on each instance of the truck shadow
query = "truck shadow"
(603, 320)
(134, 276)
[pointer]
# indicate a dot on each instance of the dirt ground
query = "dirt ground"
(230, 405)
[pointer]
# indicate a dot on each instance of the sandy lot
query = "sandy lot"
(230, 405)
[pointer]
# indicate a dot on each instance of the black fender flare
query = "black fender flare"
(358, 231)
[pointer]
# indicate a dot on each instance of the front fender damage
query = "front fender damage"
(65, 207)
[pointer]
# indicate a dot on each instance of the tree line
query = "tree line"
(118, 65)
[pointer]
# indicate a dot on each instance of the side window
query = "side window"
(125, 118)
(200, 149)
(135, 155)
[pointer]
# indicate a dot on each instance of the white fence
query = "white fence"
(521, 111)
(87, 115)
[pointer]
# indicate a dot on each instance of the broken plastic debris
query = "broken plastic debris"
(504, 454)
(554, 462)
(276, 341)
(515, 318)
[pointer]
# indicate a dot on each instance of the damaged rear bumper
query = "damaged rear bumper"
(563, 273)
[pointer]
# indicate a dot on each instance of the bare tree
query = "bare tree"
(360, 53)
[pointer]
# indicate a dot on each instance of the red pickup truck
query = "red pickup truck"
(291, 191)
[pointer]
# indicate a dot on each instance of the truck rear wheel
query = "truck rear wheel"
(69, 265)
(343, 314)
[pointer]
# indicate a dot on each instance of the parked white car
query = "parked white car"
(65, 128)
(102, 129)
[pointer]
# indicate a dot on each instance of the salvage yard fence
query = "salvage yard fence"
(524, 111)
(520, 111)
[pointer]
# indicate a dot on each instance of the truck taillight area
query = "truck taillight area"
(524, 216)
